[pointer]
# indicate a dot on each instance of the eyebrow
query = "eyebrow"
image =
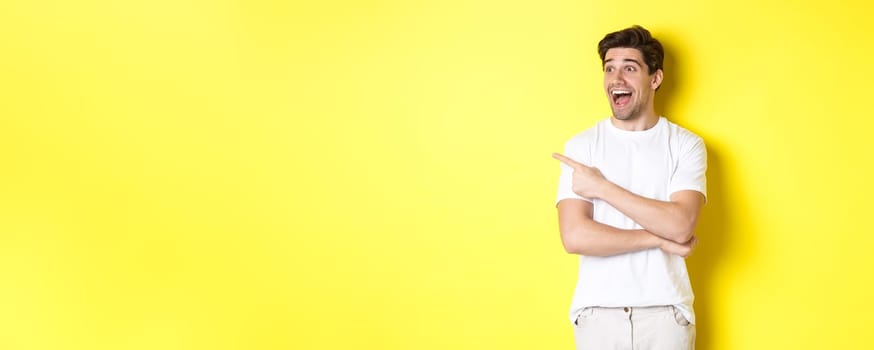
(625, 60)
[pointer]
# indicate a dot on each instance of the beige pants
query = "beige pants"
(637, 328)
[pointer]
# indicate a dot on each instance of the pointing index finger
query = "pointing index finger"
(570, 162)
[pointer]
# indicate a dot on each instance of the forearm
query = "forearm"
(595, 239)
(665, 219)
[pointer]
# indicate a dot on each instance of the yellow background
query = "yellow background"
(194, 174)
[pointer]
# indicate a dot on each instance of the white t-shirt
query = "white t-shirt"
(653, 163)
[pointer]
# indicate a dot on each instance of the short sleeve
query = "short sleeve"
(577, 150)
(690, 173)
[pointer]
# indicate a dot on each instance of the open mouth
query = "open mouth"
(620, 97)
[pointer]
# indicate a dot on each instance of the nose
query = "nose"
(615, 77)
(619, 75)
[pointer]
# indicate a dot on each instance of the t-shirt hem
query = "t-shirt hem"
(579, 198)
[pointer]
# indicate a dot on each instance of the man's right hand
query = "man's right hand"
(683, 250)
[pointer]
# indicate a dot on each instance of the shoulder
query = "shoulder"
(585, 137)
(684, 136)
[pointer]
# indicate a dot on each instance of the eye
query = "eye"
(608, 69)
(630, 69)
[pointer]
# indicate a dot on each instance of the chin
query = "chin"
(622, 116)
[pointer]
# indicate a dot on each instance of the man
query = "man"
(630, 191)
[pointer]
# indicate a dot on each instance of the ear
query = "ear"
(656, 79)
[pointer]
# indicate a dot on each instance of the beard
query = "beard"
(628, 113)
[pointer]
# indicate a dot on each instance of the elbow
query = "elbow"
(572, 249)
(682, 232)
(571, 242)
(580, 248)
(577, 243)
(570, 246)
(682, 236)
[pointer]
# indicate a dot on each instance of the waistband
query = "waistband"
(628, 310)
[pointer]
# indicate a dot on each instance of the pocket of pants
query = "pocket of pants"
(583, 315)
(679, 318)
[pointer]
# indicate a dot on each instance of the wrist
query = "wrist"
(604, 190)
(652, 241)
(660, 242)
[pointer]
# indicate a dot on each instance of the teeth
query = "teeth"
(621, 92)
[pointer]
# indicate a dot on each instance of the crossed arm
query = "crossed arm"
(667, 225)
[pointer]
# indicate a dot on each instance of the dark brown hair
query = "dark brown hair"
(635, 37)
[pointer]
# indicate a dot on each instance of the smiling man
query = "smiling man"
(630, 191)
